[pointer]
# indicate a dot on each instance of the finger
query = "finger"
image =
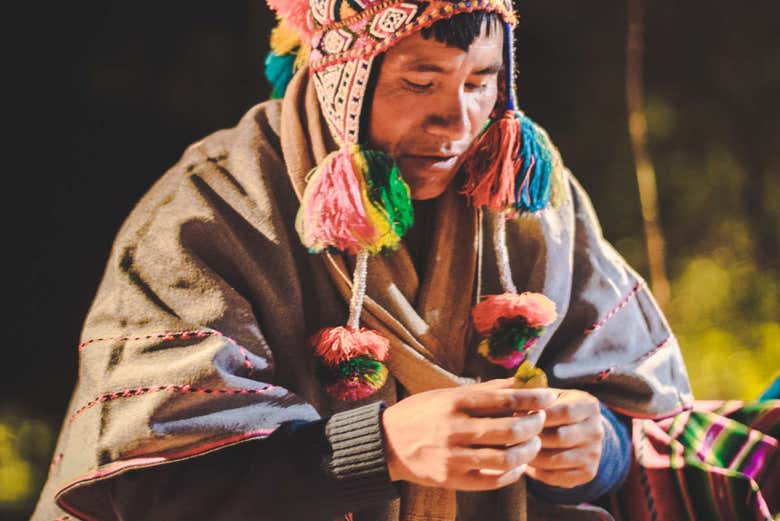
(499, 431)
(488, 479)
(576, 458)
(572, 407)
(562, 478)
(502, 460)
(504, 402)
(568, 436)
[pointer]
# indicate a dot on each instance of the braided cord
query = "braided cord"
(358, 290)
(502, 255)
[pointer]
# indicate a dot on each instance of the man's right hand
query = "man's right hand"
(465, 438)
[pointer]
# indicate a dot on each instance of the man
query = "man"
(201, 395)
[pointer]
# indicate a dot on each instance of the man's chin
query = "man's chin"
(427, 190)
(428, 185)
(426, 195)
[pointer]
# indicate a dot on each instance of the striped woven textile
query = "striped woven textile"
(718, 461)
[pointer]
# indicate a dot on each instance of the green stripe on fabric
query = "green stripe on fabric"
(763, 416)
(724, 447)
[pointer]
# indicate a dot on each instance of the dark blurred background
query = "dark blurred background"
(105, 96)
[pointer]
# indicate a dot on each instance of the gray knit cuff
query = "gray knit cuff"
(358, 458)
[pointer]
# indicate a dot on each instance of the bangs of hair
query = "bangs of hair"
(462, 29)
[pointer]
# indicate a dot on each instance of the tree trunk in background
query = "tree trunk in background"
(645, 174)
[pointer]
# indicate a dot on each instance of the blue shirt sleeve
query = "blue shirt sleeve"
(613, 467)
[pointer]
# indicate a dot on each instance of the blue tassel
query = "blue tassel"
(532, 189)
(279, 71)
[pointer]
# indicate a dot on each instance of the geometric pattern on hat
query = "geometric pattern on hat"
(390, 20)
(337, 41)
(348, 34)
(340, 90)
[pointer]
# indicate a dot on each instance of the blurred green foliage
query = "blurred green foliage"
(723, 312)
(725, 306)
(720, 218)
(26, 445)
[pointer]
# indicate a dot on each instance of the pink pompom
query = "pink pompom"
(339, 344)
(332, 214)
(496, 310)
(296, 14)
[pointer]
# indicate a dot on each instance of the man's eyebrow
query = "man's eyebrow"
(489, 70)
(421, 66)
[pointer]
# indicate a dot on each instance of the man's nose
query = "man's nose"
(449, 119)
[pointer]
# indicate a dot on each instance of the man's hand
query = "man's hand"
(571, 441)
(465, 438)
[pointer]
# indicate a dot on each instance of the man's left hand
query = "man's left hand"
(571, 441)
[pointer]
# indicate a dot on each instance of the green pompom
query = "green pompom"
(370, 370)
(388, 190)
(513, 338)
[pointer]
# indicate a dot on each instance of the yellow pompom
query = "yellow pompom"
(283, 39)
(302, 56)
(384, 237)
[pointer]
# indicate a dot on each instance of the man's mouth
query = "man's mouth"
(433, 161)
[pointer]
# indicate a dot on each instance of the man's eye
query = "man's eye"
(417, 87)
(477, 86)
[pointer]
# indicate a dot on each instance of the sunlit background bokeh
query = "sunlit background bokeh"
(156, 77)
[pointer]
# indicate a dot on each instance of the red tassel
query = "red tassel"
(339, 344)
(492, 167)
(496, 310)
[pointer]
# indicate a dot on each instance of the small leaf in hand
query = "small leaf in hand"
(528, 376)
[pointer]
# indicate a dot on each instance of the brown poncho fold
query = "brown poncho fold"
(197, 338)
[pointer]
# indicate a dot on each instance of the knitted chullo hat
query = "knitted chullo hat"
(356, 201)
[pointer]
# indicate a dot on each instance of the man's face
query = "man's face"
(429, 104)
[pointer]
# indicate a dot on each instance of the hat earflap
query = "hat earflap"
(355, 202)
